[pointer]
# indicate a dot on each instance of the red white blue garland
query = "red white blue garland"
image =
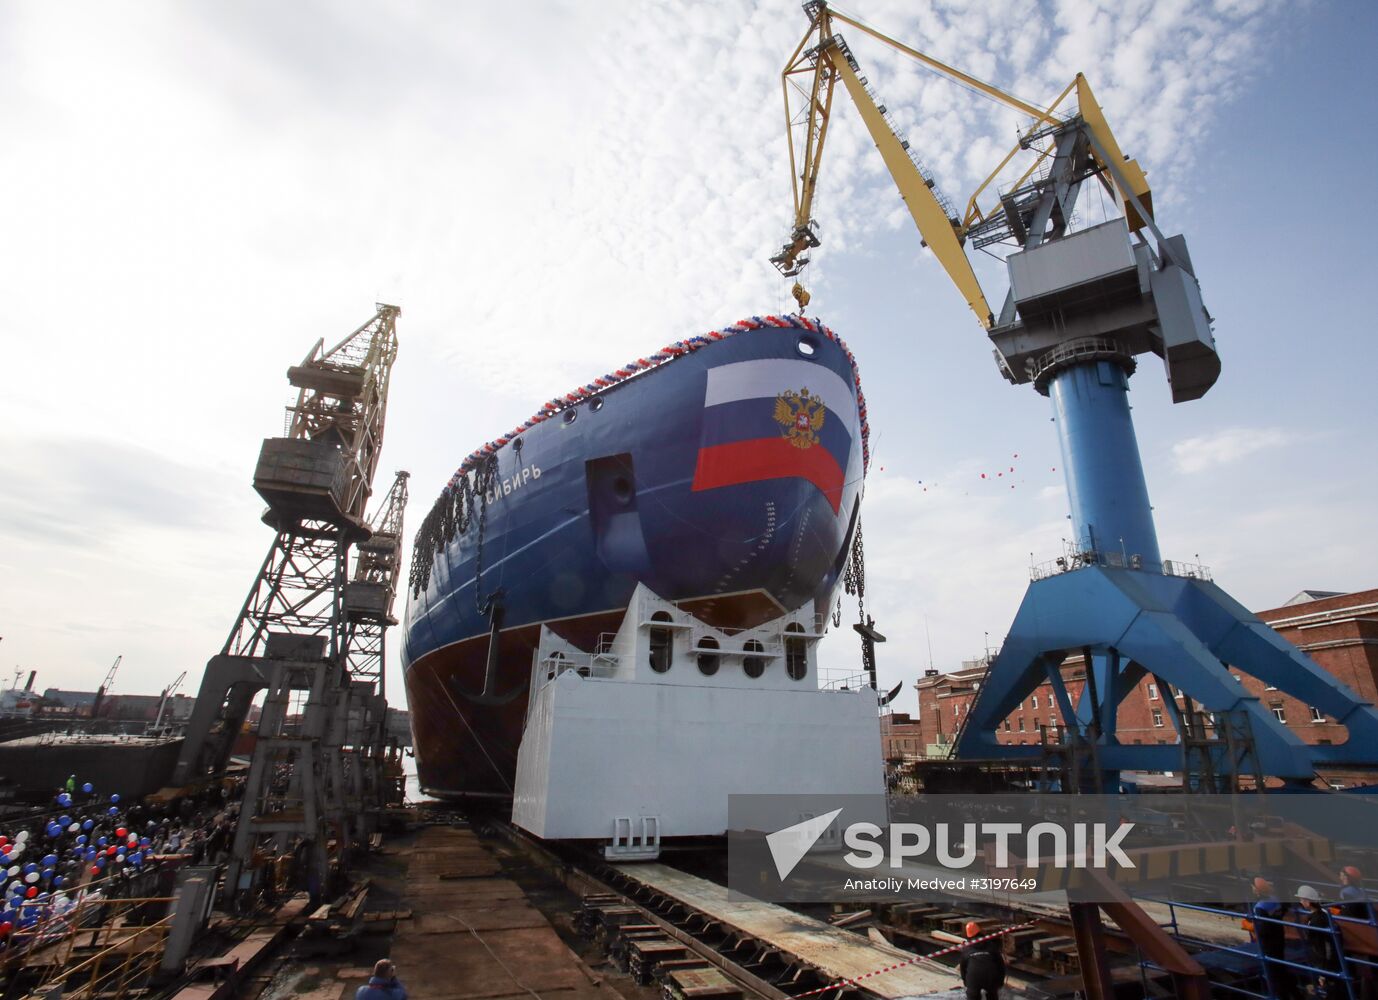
(666, 354)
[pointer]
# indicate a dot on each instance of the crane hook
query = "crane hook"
(801, 296)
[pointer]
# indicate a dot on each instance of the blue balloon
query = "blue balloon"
(65, 821)
(88, 824)
(54, 829)
(81, 839)
(49, 860)
(100, 861)
(114, 798)
(90, 853)
(100, 841)
(47, 873)
(30, 868)
(88, 788)
(59, 881)
(113, 810)
(144, 841)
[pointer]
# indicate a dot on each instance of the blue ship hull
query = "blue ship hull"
(702, 478)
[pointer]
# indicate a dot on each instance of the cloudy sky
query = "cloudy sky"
(194, 192)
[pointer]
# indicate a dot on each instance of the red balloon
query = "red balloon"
(4, 839)
(983, 475)
(122, 832)
(31, 892)
(95, 869)
(6, 926)
(110, 851)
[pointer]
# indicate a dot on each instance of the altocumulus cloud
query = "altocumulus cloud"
(1206, 451)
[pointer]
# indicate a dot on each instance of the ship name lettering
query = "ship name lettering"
(504, 487)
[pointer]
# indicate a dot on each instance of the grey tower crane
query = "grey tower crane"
(292, 635)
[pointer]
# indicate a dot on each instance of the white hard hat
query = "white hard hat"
(1306, 892)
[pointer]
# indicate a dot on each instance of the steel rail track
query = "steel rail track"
(757, 967)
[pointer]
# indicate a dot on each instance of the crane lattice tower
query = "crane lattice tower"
(292, 634)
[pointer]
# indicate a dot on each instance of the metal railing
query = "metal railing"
(1278, 973)
(832, 679)
(1074, 560)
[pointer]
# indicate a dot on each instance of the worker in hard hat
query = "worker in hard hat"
(982, 967)
(1353, 899)
(1267, 914)
(1320, 936)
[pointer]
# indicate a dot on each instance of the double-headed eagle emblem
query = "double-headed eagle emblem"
(800, 417)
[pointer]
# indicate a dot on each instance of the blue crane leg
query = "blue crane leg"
(1100, 459)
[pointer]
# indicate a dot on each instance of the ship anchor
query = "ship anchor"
(490, 695)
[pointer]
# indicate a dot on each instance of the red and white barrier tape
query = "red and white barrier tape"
(915, 960)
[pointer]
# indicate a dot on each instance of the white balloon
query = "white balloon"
(13, 871)
(21, 836)
(31, 878)
(74, 828)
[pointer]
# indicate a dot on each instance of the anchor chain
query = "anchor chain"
(452, 514)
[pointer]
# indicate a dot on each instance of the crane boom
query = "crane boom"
(939, 229)
(829, 58)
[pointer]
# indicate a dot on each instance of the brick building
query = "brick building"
(901, 737)
(1339, 631)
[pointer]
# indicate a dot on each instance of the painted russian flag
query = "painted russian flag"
(776, 418)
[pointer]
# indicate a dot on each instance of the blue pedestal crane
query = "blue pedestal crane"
(1082, 307)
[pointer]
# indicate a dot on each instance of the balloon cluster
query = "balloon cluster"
(34, 887)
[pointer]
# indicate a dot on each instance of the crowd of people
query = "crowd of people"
(93, 845)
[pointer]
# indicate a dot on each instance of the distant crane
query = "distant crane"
(105, 686)
(167, 693)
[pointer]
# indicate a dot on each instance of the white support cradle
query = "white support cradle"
(618, 751)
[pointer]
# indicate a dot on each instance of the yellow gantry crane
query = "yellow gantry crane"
(822, 57)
